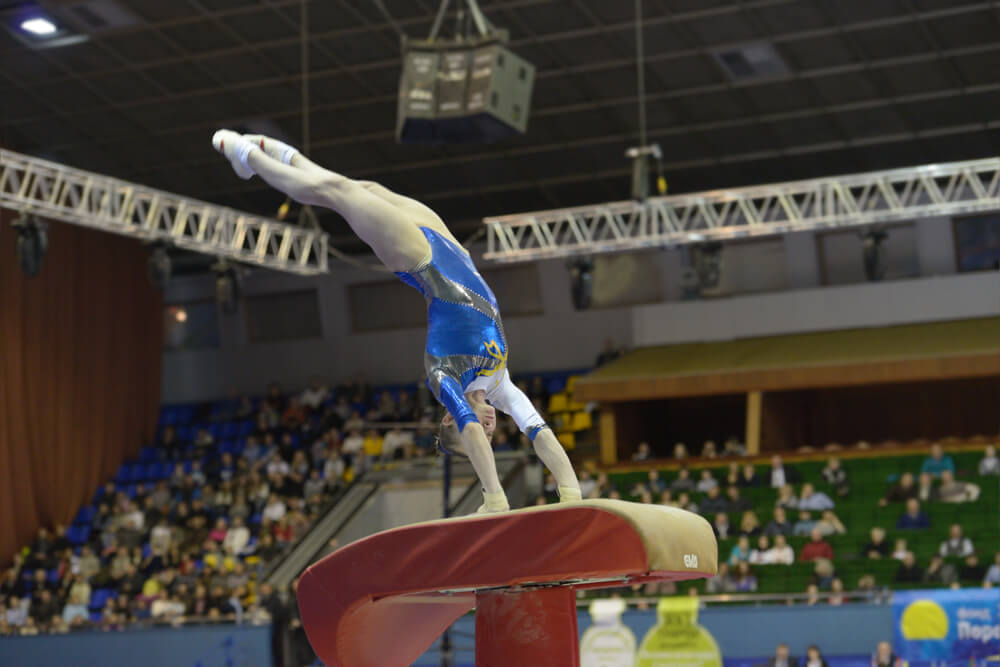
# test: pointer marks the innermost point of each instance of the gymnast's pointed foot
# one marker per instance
(493, 502)
(236, 149)
(568, 494)
(275, 149)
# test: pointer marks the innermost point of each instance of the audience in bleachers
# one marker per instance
(188, 530)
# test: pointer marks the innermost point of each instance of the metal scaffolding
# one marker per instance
(836, 202)
(80, 197)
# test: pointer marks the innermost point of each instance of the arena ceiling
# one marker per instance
(855, 85)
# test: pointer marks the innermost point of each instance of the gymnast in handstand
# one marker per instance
(466, 353)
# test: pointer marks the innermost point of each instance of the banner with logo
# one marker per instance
(677, 640)
(946, 624)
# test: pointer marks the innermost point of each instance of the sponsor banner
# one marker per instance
(946, 625)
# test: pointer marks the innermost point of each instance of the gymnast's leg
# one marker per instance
(508, 398)
(390, 231)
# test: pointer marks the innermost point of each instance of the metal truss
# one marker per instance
(79, 197)
(836, 202)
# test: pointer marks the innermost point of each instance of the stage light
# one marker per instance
(581, 273)
(874, 254)
(227, 287)
(32, 243)
(39, 26)
(159, 267)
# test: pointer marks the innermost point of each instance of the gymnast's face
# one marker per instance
(485, 412)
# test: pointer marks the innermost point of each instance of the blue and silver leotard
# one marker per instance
(465, 338)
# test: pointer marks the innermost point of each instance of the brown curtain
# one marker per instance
(80, 356)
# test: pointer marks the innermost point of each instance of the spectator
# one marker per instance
(937, 462)
(315, 394)
(396, 442)
(884, 657)
(813, 658)
(835, 475)
(654, 484)
(812, 593)
(761, 554)
(721, 582)
(786, 498)
(749, 524)
(914, 518)
(741, 551)
(940, 572)
(713, 503)
(721, 526)
(990, 464)
(829, 524)
(900, 492)
(683, 483)
(275, 508)
(780, 553)
(779, 525)
(900, 550)
(642, 452)
(782, 658)
(707, 482)
(203, 439)
(748, 476)
(744, 581)
(708, 450)
(957, 545)
(237, 537)
(954, 491)
(681, 451)
(813, 500)
(781, 475)
(925, 488)
(972, 570)
(733, 447)
(993, 574)
(816, 548)
(804, 525)
(735, 501)
(837, 596)
(876, 547)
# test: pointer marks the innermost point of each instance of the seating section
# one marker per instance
(870, 477)
(189, 526)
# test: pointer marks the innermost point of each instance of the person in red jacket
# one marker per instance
(816, 548)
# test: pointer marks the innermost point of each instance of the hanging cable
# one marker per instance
(640, 61)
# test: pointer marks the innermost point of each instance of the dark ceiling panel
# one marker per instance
(867, 88)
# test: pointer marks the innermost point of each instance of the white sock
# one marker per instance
(236, 149)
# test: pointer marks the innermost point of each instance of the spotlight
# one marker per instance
(39, 26)
(874, 254)
(581, 274)
(708, 265)
(227, 287)
(32, 243)
(158, 266)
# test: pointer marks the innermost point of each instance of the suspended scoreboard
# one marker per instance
(461, 93)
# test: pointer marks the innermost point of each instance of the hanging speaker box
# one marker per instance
(463, 94)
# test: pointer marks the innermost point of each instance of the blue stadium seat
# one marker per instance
(100, 597)
(229, 429)
(85, 515)
(255, 519)
(147, 549)
(164, 470)
(123, 474)
(78, 534)
(52, 576)
(96, 616)
(149, 454)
